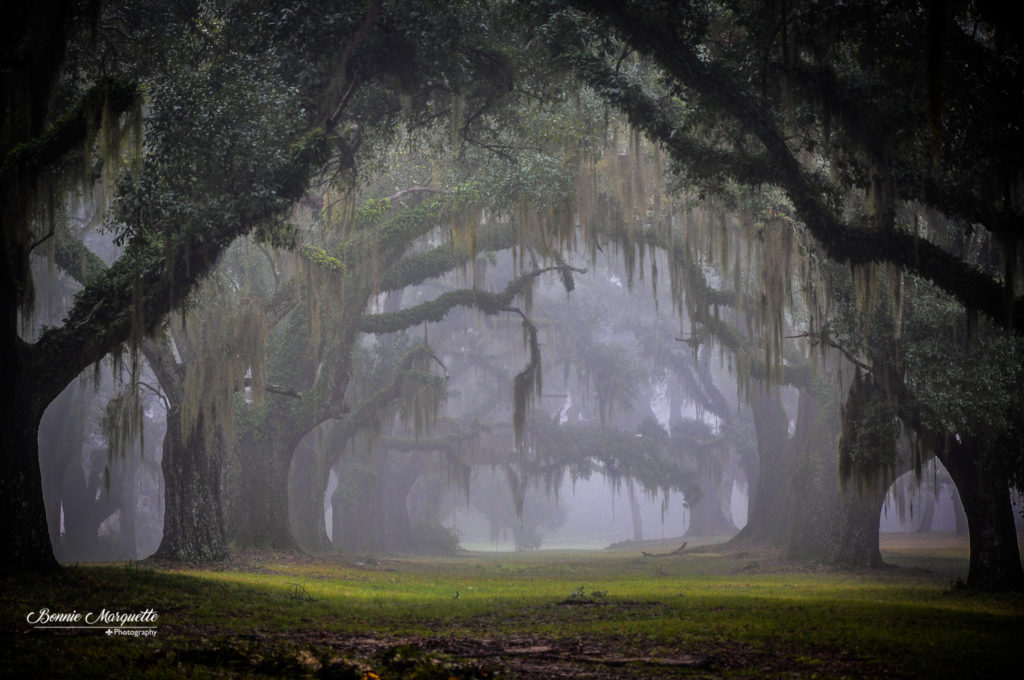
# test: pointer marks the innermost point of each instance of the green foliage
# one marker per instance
(867, 441)
(321, 259)
(580, 594)
(218, 151)
(372, 212)
(646, 455)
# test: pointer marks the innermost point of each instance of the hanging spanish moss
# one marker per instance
(227, 347)
(867, 438)
(122, 423)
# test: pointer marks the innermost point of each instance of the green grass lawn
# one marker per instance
(545, 614)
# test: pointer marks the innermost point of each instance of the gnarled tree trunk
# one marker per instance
(831, 523)
(712, 514)
(193, 520)
(259, 512)
(995, 555)
(23, 530)
(307, 484)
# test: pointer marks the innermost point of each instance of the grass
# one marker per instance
(546, 614)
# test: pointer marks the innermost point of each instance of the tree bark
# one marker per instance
(769, 493)
(809, 521)
(356, 505)
(854, 539)
(830, 523)
(307, 484)
(259, 515)
(191, 465)
(995, 563)
(634, 512)
(995, 556)
(712, 514)
(23, 530)
(959, 514)
(398, 473)
(24, 534)
(193, 520)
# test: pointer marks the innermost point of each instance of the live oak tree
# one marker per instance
(834, 102)
(240, 115)
(854, 115)
(168, 246)
(892, 136)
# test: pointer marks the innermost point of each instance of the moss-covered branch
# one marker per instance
(435, 310)
(153, 276)
(663, 119)
(451, 443)
(408, 372)
(75, 258)
(109, 96)
(775, 163)
(419, 267)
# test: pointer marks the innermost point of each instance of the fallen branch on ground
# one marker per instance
(677, 551)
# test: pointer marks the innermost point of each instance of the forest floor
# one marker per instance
(723, 613)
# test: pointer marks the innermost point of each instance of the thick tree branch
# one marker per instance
(75, 258)
(824, 339)
(416, 268)
(416, 190)
(436, 310)
(372, 407)
(71, 129)
(136, 292)
(848, 243)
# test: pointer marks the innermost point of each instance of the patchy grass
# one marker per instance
(597, 614)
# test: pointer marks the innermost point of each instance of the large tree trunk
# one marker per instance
(854, 538)
(25, 389)
(193, 512)
(712, 514)
(357, 512)
(193, 519)
(24, 533)
(995, 556)
(959, 515)
(398, 473)
(815, 481)
(307, 487)
(830, 523)
(259, 514)
(766, 520)
(634, 512)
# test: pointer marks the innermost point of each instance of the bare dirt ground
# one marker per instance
(536, 658)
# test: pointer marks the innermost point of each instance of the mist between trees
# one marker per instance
(324, 276)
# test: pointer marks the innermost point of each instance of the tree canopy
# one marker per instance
(838, 182)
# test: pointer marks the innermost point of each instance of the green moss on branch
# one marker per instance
(113, 95)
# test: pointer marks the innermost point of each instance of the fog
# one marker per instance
(466, 330)
(612, 328)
